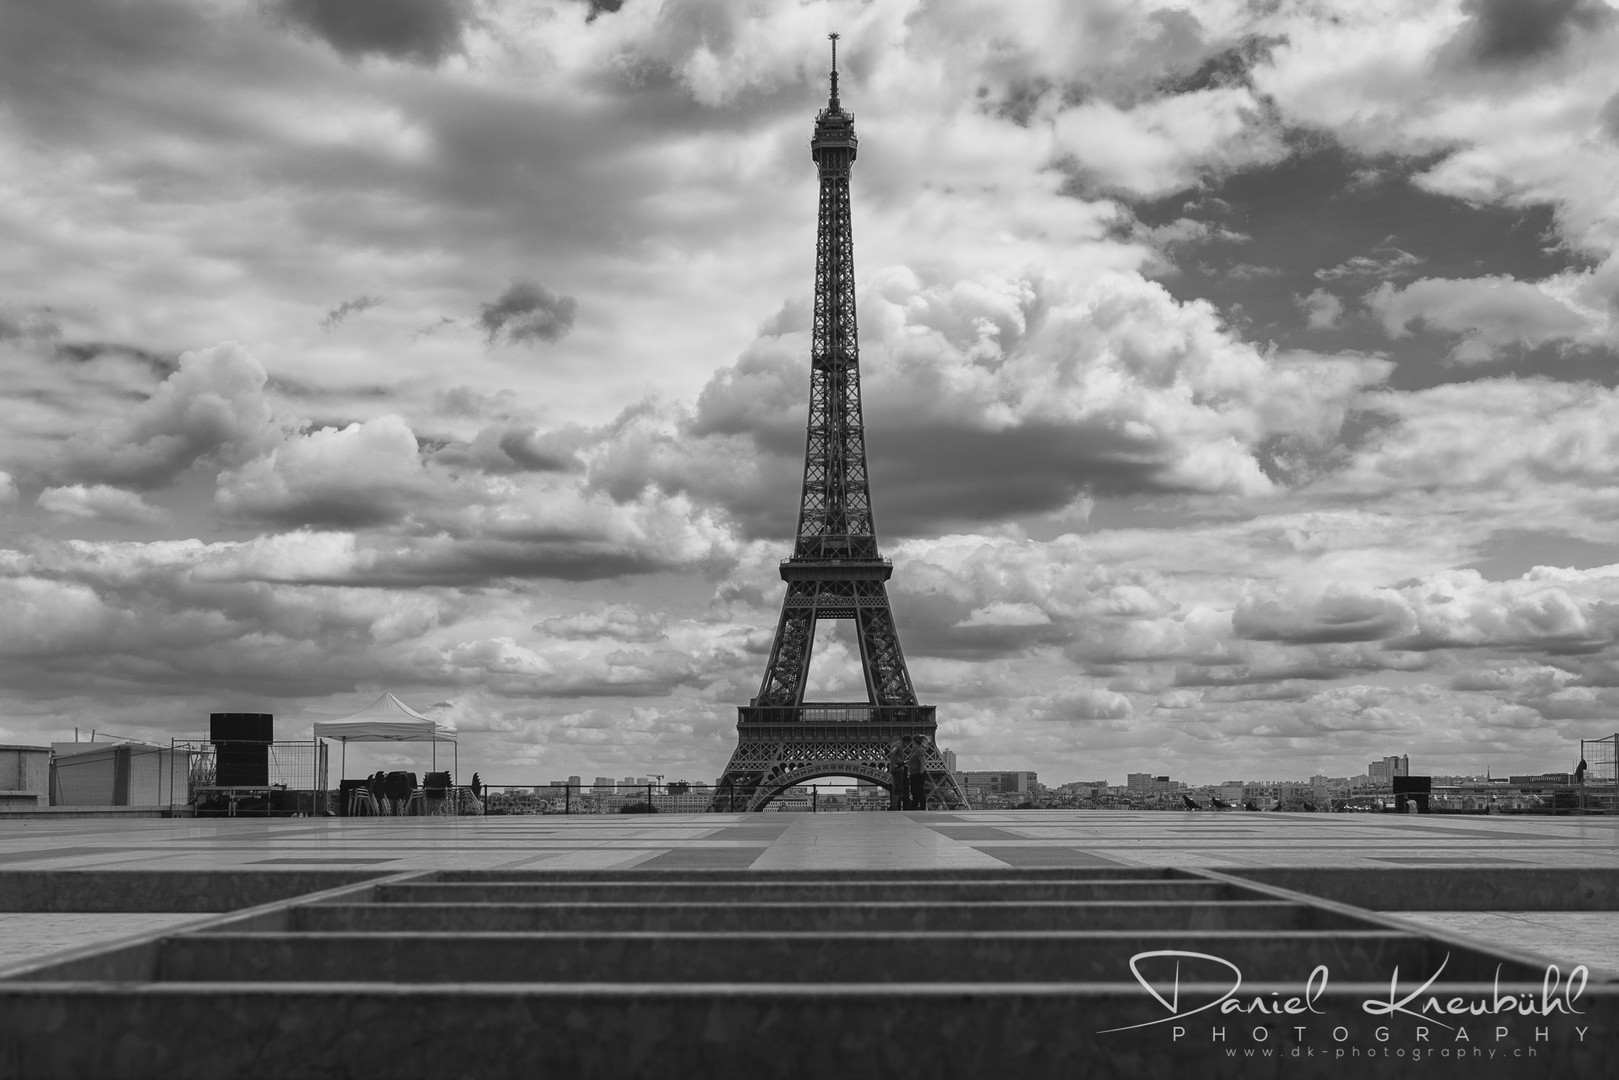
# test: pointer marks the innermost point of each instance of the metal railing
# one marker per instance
(812, 797)
(838, 712)
(566, 799)
(294, 781)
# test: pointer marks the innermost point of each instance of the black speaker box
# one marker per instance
(1413, 785)
(244, 727)
(242, 764)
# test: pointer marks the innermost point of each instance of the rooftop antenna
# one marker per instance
(834, 38)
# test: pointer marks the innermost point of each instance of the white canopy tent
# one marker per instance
(387, 719)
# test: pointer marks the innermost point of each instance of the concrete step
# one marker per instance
(180, 1031)
(693, 892)
(819, 917)
(891, 877)
(1021, 957)
(681, 973)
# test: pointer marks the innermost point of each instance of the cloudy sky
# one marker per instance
(1240, 376)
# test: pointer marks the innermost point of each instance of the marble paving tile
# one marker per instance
(1567, 938)
(26, 935)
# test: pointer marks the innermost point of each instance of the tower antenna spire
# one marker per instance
(834, 38)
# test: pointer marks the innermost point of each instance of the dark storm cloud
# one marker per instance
(1513, 31)
(48, 50)
(1252, 675)
(1228, 67)
(517, 448)
(926, 475)
(527, 554)
(527, 311)
(494, 168)
(930, 623)
(82, 352)
(39, 328)
(931, 469)
(927, 472)
(1328, 215)
(539, 451)
(348, 308)
(424, 31)
(601, 7)
(1610, 118)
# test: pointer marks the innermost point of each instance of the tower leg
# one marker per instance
(790, 653)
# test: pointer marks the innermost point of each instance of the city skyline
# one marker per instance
(1240, 379)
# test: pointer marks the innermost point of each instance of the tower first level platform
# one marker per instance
(781, 747)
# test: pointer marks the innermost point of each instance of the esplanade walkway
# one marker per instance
(1049, 943)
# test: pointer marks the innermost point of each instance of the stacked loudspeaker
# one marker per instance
(1417, 789)
(242, 748)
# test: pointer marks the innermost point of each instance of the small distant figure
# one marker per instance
(1186, 801)
(897, 753)
(916, 774)
(1579, 772)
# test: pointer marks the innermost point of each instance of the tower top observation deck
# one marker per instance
(834, 144)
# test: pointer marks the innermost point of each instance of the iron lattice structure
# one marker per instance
(836, 570)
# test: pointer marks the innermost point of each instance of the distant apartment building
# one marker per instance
(1323, 789)
(573, 782)
(1384, 772)
(687, 802)
(999, 783)
(950, 761)
(1140, 783)
(1085, 789)
(604, 785)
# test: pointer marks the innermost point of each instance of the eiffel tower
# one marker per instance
(835, 571)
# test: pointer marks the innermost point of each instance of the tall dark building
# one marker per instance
(836, 570)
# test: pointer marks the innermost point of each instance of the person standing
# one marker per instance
(897, 753)
(916, 769)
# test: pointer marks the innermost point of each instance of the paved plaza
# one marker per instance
(1377, 844)
(668, 944)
